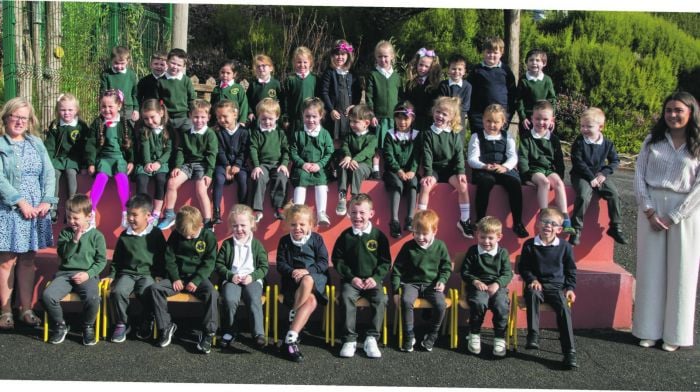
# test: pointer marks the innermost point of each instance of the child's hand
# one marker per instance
(353, 165)
(155, 166)
(191, 287)
(479, 285)
(129, 168)
(235, 170)
(148, 168)
(345, 162)
(257, 172)
(370, 283)
(77, 234)
(299, 273)
(439, 287)
(535, 285)
(283, 169)
(401, 174)
(246, 280)
(314, 167)
(374, 121)
(527, 124)
(410, 175)
(357, 283)
(80, 278)
(335, 115)
(493, 288)
(570, 296)
(462, 178)
(307, 167)
(91, 170)
(500, 169)
(428, 181)
(135, 116)
(600, 178)
(176, 172)
(251, 117)
(178, 286)
(236, 279)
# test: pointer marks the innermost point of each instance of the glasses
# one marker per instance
(18, 118)
(547, 222)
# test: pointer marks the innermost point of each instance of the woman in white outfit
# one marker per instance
(667, 186)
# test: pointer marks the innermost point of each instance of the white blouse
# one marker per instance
(474, 151)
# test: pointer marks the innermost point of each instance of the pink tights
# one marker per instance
(98, 188)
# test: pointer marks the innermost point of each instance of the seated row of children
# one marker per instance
(155, 151)
(361, 257)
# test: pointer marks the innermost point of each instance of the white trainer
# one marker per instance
(499, 347)
(646, 343)
(348, 350)
(474, 345)
(371, 348)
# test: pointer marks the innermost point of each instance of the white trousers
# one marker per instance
(667, 274)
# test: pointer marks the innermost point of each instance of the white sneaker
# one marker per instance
(499, 347)
(348, 350)
(323, 219)
(646, 343)
(669, 347)
(474, 345)
(371, 348)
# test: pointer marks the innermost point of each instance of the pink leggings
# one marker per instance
(98, 188)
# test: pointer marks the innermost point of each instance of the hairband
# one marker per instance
(407, 112)
(344, 46)
(117, 92)
(423, 52)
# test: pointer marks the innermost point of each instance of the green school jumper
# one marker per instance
(416, 265)
(154, 149)
(190, 260)
(269, 148)
(139, 254)
(65, 144)
(236, 93)
(443, 154)
(177, 95)
(362, 256)
(294, 92)
(198, 148)
(258, 91)
(531, 91)
(381, 96)
(88, 255)
(540, 156)
(305, 148)
(360, 147)
(126, 82)
(109, 158)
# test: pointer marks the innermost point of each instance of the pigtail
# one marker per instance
(126, 136)
(101, 133)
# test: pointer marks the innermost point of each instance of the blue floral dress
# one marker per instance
(19, 235)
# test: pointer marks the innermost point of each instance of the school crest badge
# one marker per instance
(200, 246)
(235, 90)
(74, 134)
(372, 245)
(272, 93)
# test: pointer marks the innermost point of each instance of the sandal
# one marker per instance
(30, 318)
(6, 321)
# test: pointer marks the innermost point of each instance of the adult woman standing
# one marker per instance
(26, 194)
(667, 186)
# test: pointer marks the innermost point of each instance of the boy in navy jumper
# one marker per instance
(590, 173)
(455, 85)
(147, 88)
(492, 82)
(548, 270)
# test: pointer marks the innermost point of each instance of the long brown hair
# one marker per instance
(124, 128)
(692, 130)
(145, 131)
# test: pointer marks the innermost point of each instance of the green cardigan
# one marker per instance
(382, 94)
(224, 260)
(191, 260)
(139, 255)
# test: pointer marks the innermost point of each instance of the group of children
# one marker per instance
(175, 137)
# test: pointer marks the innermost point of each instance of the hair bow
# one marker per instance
(345, 47)
(120, 95)
(423, 52)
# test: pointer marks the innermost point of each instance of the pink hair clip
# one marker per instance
(344, 46)
(423, 52)
(120, 94)
(407, 112)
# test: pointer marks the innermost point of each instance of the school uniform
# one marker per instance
(381, 97)
(154, 147)
(311, 254)
(554, 267)
(294, 91)
(177, 93)
(359, 147)
(110, 157)
(87, 255)
(363, 254)
(234, 147)
(269, 150)
(401, 152)
(308, 148)
(188, 260)
(65, 144)
(417, 270)
(124, 81)
(500, 149)
(491, 85)
(260, 89)
(540, 155)
(138, 257)
(421, 95)
(461, 90)
(532, 89)
(488, 267)
(339, 90)
(246, 258)
(197, 153)
(588, 158)
(443, 153)
(147, 88)
(232, 92)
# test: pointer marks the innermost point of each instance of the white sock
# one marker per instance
(375, 168)
(321, 198)
(291, 337)
(422, 207)
(299, 195)
(464, 212)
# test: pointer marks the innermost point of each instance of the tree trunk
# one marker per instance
(52, 71)
(512, 35)
(180, 22)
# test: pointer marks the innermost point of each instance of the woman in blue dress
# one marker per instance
(27, 187)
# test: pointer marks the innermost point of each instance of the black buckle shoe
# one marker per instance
(617, 235)
(395, 228)
(533, 342)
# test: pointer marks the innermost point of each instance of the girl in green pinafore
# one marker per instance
(154, 137)
(108, 151)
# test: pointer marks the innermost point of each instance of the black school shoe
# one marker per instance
(291, 351)
(575, 238)
(408, 225)
(395, 229)
(58, 334)
(520, 231)
(617, 235)
(569, 361)
(205, 342)
(89, 338)
(533, 342)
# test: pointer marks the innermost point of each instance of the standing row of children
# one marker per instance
(172, 148)
(361, 257)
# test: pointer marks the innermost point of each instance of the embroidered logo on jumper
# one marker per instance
(74, 134)
(200, 246)
(372, 245)
(272, 93)
(235, 90)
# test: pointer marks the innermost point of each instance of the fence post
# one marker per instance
(114, 10)
(9, 64)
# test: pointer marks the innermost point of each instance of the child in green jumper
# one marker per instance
(362, 258)
(230, 90)
(138, 257)
(82, 251)
(534, 86)
(195, 159)
(298, 87)
(422, 269)
(176, 90)
(263, 85)
(120, 77)
(357, 150)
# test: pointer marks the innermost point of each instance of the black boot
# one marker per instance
(216, 219)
